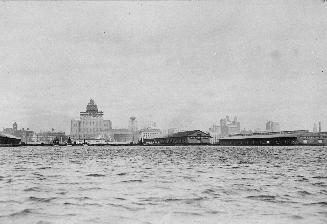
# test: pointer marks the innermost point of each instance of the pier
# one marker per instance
(269, 140)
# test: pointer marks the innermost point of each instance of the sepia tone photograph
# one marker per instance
(163, 112)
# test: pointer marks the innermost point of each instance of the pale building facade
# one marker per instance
(91, 124)
(229, 127)
(149, 133)
(272, 126)
(215, 133)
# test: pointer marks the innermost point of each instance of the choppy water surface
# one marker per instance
(163, 185)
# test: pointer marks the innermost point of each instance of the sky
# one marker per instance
(183, 64)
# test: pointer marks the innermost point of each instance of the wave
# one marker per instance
(125, 207)
(263, 197)
(44, 168)
(296, 217)
(323, 203)
(304, 193)
(33, 189)
(131, 181)
(41, 199)
(320, 177)
(95, 175)
(188, 213)
(121, 174)
(186, 200)
(21, 213)
(43, 222)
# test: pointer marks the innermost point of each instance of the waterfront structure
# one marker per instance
(296, 137)
(47, 137)
(123, 135)
(194, 137)
(260, 139)
(26, 135)
(215, 133)
(148, 135)
(304, 137)
(229, 127)
(91, 124)
(272, 126)
(310, 138)
(9, 140)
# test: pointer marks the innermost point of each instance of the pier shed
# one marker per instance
(194, 137)
(269, 139)
(9, 140)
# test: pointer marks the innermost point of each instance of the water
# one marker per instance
(204, 184)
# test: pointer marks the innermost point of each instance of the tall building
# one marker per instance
(272, 126)
(91, 124)
(229, 127)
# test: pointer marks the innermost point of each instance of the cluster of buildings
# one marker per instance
(28, 136)
(229, 132)
(226, 128)
(92, 128)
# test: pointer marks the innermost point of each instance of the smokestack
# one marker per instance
(319, 126)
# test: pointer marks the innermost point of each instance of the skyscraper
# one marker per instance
(229, 127)
(91, 124)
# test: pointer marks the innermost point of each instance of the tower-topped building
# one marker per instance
(229, 127)
(91, 124)
(91, 110)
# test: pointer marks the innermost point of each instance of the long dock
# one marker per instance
(272, 140)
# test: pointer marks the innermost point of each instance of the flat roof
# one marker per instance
(8, 135)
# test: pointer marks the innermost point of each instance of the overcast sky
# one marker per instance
(182, 64)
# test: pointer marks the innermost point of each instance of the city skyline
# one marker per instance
(166, 61)
(153, 124)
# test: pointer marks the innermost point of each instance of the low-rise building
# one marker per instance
(25, 135)
(9, 140)
(272, 126)
(311, 138)
(148, 135)
(124, 135)
(48, 137)
(195, 137)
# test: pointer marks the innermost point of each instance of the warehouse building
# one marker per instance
(195, 137)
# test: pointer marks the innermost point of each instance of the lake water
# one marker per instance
(205, 184)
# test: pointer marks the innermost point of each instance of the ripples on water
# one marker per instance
(156, 185)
